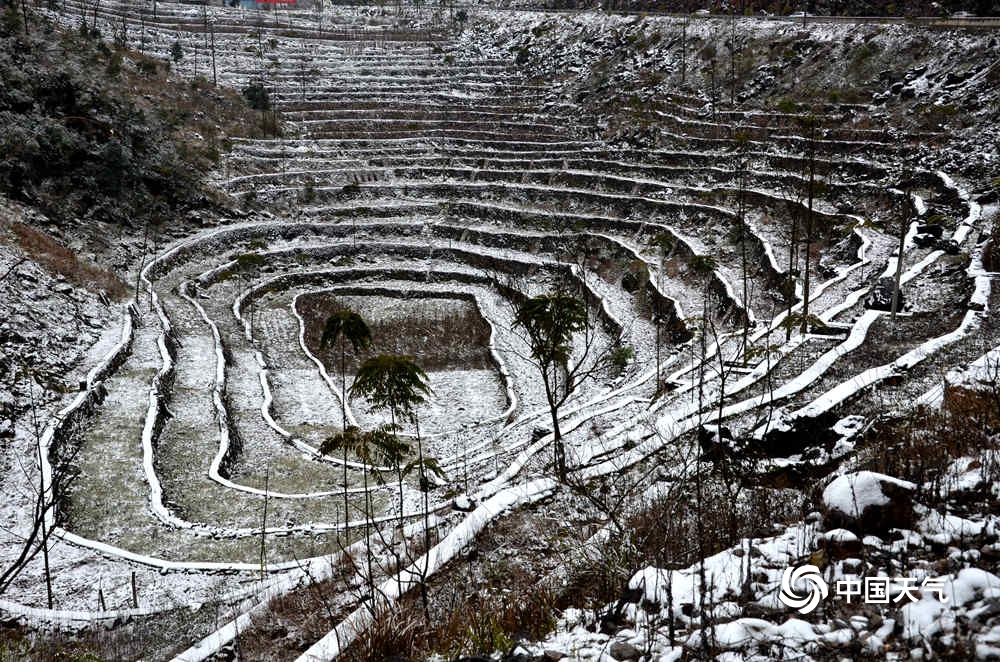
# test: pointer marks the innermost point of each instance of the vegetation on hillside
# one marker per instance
(91, 131)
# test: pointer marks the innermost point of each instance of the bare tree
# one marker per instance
(549, 323)
(810, 124)
(35, 540)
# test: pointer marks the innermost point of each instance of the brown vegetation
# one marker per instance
(441, 334)
(60, 260)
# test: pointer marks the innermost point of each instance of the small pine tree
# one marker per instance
(176, 51)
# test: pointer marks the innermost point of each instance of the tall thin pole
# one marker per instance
(43, 498)
(263, 525)
(903, 227)
(211, 27)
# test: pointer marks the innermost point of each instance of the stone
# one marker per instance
(954, 78)
(623, 651)
(949, 246)
(866, 502)
(840, 544)
(937, 231)
(553, 656)
(880, 295)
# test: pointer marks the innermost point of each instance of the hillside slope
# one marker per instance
(732, 204)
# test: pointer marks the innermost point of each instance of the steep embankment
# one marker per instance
(104, 153)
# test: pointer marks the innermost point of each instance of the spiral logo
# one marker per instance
(818, 588)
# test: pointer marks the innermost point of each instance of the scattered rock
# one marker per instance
(840, 544)
(868, 503)
(880, 295)
(539, 432)
(932, 229)
(623, 651)
(949, 246)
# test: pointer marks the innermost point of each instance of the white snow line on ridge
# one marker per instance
(62, 416)
(240, 300)
(341, 397)
(843, 391)
(222, 419)
(669, 425)
(313, 569)
(265, 409)
(501, 364)
(156, 491)
(970, 322)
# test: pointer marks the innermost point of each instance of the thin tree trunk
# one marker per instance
(792, 264)
(699, 496)
(903, 228)
(656, 322)
(42, 495)
(427, 526)
(343, 420)
(368, 508)
(399, 475)
(559, 456)
(215, 77)
(809, 228)
(263, 526)
(741, 206)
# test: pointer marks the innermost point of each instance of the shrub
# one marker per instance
(787, 106)
(620, 356)
(147, 66)
(257, 96)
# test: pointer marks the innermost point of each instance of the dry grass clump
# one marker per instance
(459, 625)
(148, 638)
(58, 259)
(922, 446)
(440, 333)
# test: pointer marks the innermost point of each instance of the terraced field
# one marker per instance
(430, 188)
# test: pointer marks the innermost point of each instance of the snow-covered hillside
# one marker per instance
(734, 202)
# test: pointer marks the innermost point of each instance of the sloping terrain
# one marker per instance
(728, 199)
